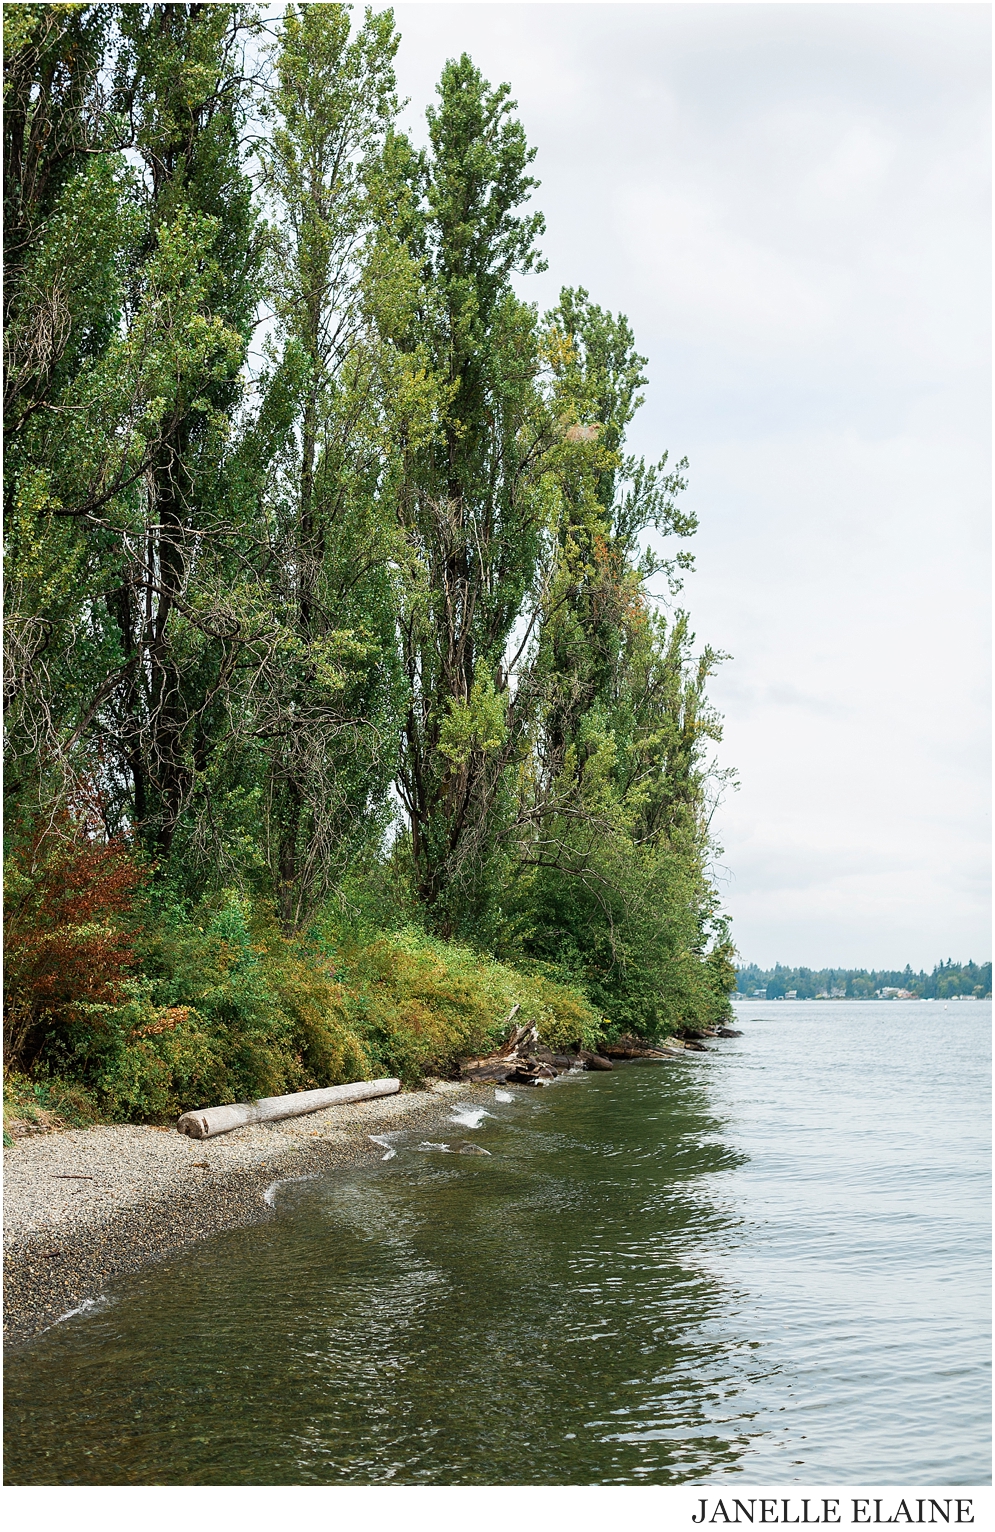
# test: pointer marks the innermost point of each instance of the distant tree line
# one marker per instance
(946, 980)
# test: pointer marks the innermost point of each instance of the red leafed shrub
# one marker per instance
(67, 897)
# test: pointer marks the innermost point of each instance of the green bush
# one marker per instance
(423, 1004)
(221, 1007)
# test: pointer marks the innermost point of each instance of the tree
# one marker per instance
(179, 84)
(470, 507)
(67, 220)
(405, 548)
(128, 552)
(329, 726)
(612, 819)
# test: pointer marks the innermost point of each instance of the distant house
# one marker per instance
(760, 994)
(791, 994)
(838, 994)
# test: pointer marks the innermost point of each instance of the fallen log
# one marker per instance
(621, 1051)
(560, 1061)
(208, 1121)
(531, 1071)
(490, 1074)
(519, 1043)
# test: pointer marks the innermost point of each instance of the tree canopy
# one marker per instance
(329, 578)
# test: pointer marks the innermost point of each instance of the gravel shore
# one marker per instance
(87, 1205)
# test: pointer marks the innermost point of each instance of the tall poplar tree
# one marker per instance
(331, 722)
(126, 541)
(612, 830)
(471, 507)
(179, 84)
(67, 223)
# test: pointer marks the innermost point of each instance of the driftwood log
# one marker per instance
(504, 1062)
(628, 1047)
(561, 1061)
(205, 1122)
(521, 1061)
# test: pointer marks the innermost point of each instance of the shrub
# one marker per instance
(210, 1003)
(67, 942)
(40, 1105)
(423, 1004)
(256, 1016)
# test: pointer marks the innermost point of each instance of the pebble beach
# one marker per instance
(83, 1207)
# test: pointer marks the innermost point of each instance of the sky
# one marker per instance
(791, 203)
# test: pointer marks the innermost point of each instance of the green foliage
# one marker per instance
(423, 1004)
(613, 819)
(222, 1007)
(470, 503)
(40, 1104)
(252, 600)
(332, 697)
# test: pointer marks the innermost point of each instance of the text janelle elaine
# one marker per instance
(827, 1512)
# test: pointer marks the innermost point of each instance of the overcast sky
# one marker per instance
(791, 203)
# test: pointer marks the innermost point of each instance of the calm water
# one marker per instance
(771, 1262)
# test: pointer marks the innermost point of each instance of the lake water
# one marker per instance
(771, 1262)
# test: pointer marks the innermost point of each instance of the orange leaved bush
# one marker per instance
(67, 898)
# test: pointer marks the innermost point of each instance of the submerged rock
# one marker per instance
(474, 1149)
(728, 1032)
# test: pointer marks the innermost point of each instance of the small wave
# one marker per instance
(503, 1095)
(88, 1306)
(384, 1143)
(271, 1190)
(469, 1116)
(426, 1146)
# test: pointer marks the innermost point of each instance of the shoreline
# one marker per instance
(85, 1206)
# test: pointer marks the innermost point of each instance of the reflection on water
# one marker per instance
(663, 1274)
